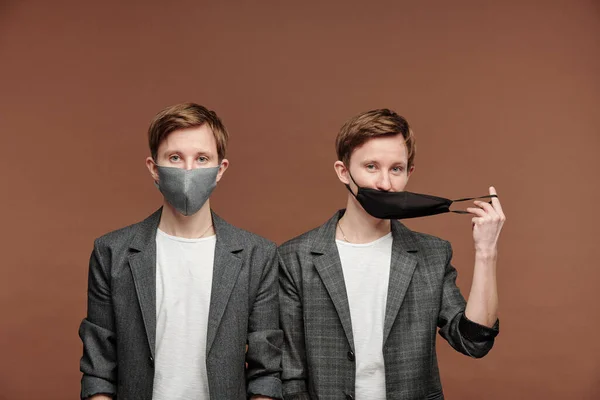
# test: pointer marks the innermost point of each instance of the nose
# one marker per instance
(384, 183)
(189, 164)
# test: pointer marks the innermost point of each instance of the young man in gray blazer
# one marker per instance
(174, 300)
(361, 297)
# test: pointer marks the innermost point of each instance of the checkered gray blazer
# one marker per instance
(318, 349)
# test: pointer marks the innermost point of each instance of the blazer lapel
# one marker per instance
(328, 265)
(402, 267)
(142, 262)
(227, 266)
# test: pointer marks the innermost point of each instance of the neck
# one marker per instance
(360, 227)
(191, 227)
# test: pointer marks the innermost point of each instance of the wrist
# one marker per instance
(486, 254)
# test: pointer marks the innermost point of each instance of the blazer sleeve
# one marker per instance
(99, 361)
(264, 335)
(463, 335)
(295, 371)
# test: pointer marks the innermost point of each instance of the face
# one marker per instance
(188, 149)
(380, 163)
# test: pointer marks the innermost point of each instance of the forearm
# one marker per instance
(264, 336)
(295, 372)
(97, 332)
(482, 306)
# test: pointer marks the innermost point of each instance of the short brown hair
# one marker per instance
(183, 116)
(375, 123)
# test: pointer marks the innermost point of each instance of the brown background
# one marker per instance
(502, 93)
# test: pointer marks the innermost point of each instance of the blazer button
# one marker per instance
(351, 356)
(151, 360)
(349, 397)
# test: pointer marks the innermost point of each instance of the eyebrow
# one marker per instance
(199, 153)
(377, 162)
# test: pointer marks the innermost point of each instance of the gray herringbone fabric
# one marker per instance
(119, 331)
(318, 350)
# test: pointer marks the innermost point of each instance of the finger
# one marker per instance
(487, 207)
(476, 211)
(496, 202)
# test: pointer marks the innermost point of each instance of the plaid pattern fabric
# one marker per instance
(318, 350)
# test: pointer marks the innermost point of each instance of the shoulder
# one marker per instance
(119, 236)
(422, 242)
(137, 234)
(246, 237)
(300, 243)
(430, 241)
(235, 236)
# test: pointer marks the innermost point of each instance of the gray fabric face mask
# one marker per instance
(187, 190)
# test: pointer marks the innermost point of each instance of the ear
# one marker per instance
(411, 170)
(222, 168)
(342, 172)
(152, 168)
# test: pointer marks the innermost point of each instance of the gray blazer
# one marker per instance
(119, 331)
(318, 348)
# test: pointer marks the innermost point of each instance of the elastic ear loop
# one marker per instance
(348, 186)
(471, 198)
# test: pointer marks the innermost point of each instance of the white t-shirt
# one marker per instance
(184, 270)
(366, 275)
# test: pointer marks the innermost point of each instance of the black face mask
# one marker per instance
(402, 205)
